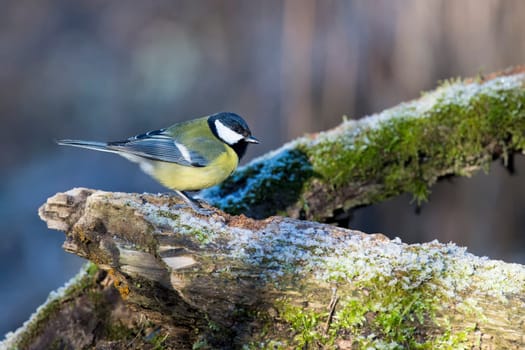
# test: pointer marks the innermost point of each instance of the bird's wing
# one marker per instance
(158, 145)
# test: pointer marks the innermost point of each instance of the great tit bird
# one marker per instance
(186, 156)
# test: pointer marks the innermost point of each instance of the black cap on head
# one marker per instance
(232, 130)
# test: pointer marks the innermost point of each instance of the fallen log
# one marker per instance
(231, 281)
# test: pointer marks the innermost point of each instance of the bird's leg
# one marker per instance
(193, 203)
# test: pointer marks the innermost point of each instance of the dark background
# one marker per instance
(107, 70)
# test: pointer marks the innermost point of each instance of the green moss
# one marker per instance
(452, 130)
(375, 317)
(409, 150)
(401, 310)
(118, 331)
(305, 324)
(168, 214)
(158, 341)
(85, 283)
(201, 235)
(392, 314)
(91, 269)
(38, 322)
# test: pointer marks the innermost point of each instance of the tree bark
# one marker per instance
(231, 281)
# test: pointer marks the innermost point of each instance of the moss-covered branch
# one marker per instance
(454, 130)
(232, 282)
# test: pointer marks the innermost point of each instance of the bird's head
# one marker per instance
(230, 128)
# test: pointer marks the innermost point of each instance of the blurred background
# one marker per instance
(107, 70)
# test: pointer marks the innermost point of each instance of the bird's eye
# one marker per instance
(239, 129)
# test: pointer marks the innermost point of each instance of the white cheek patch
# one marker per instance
(226, 134)
(184, 151)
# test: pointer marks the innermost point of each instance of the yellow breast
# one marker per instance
(185, 178)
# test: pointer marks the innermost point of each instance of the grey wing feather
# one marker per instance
(155, 145)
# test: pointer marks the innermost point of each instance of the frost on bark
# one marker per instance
(454, 130)
(162, 277)
(230, 281)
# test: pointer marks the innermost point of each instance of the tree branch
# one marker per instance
(456, 129)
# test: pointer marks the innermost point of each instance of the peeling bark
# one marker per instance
(231, 281)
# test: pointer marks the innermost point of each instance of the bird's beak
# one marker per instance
(251, 139)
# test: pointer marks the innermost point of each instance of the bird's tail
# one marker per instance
(94, 145)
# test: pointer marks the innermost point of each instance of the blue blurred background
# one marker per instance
(107, 70)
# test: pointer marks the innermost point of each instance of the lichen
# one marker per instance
(202, 231)
(396, 296)
(390, 294)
